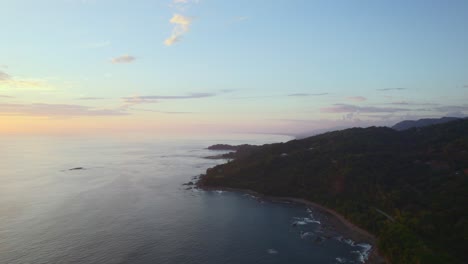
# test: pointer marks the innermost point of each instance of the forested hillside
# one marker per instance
(418, 177)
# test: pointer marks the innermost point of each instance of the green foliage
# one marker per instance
(417, 177)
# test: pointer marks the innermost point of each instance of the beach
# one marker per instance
(335, 224)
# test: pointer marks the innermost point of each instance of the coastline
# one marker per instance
(337, 221)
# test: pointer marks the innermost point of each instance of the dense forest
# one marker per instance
(409, 188)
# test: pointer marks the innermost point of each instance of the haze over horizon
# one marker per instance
(199, 66)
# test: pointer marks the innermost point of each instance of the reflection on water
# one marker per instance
(128, 205)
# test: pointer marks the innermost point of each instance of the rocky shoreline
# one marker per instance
(336, 223)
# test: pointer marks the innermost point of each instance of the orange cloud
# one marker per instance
(182, 26)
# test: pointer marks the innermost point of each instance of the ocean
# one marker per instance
(129, 205)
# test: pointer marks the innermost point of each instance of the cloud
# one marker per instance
(123, 59)
(130, 101)
(277, 96)
(91, 98)
(181, 26)
(356, 98)
(465, 86)
(162, 112)
(8, 81)
(346, 108)
(412, 103)
(25, 84)
(391, 89)
(227, 90)
(170, 97)
(400, 103)
(6, 96)
(55, 110)
(306, 94)
(4, 76)
(452, 108)
(134, 100)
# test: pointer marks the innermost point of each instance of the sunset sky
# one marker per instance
(197, 66)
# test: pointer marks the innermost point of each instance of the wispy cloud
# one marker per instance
(55, 110)
(400, 103)
(169, 97)
(227, 90)
(391, 89)
(278, 96)
(412, 103)
(347, 108)
(130, 101)
(4, 76)
(134, 100)
(452, 108)
(306, 94)
(6, 96)
(163, 112)
(409, 107)
(25, 84)
(123, 59)
(91, 98)
(7, 81)
(356, 98)
(181, 26)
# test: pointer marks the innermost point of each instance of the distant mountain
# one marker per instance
(409, 187)
(407, 124)
(318, 132)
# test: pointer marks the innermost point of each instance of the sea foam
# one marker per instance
(272, 251)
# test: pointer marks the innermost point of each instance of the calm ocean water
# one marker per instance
(129, 206)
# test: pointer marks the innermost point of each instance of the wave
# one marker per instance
(340, 260)
(272, 251)
(364, 253)
(306, 234)
(305, 221)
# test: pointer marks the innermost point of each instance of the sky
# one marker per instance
(244, 66)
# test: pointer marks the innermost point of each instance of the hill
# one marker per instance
(407, 124)
(409, 187)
